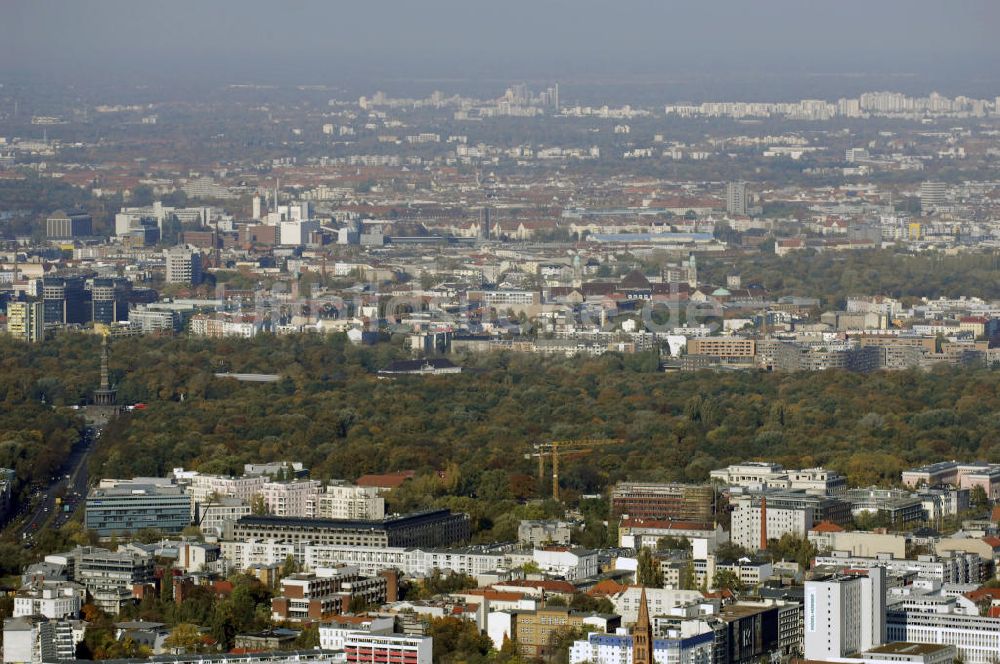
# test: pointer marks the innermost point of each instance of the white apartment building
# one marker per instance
(52, 599)
(31, 640)
(959, 567)
(370, 560)
(244, 555)
(617, 649)
(346, 501)
(659, 601)
(844, 615)
(976, 638)
(571, 564)
(760, 475)
(297, 233)
(183, 266)
(746, 524)
(750, 573)
(202, 488)
(472, 561)
(333, 634)
(363, 647)
(203, 325)
(291, 498)
(214, 515)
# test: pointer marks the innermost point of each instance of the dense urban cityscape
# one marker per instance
(584, 368)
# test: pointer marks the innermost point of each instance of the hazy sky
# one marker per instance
(335, 40)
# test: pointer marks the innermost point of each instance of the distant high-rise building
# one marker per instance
(484, 222)
(183, 266)
(65, 300)
(64, 225)
(932, 195)
(853, 155)
(736, 198)
(26, 321)
(845, 615)
(109, 300)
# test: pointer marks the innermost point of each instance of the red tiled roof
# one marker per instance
(549, 586)
(827, 527)
(606, 587)
(387, 480)
(995, 514)
(495, 595)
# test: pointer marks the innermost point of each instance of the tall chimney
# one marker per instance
(763, 523)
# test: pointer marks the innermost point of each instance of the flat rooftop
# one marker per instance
(906, 648)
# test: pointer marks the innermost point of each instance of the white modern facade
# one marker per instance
(659, 601)
(570, 564)
(332, 635)
(370, 560)
(290, 498)
(845, 615)
(617, 649)
(958, 567)
(747, 521)
(183, 266)
(52, 599)
(346, 501)
(976, 638)
(762, 475)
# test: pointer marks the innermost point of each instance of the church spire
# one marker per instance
(642, 634)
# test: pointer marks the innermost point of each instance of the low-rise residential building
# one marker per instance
(531, 630)
(660, 601)
(959, 567)
(828, 536)
(365, 648)
(109, 576)
(334, 631)
(539, 533)
(760, 476)
(570, 564)
(677, 648)
(53, 599)
(639, 533)
(313, 596)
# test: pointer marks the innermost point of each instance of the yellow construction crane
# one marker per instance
(555, 448)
